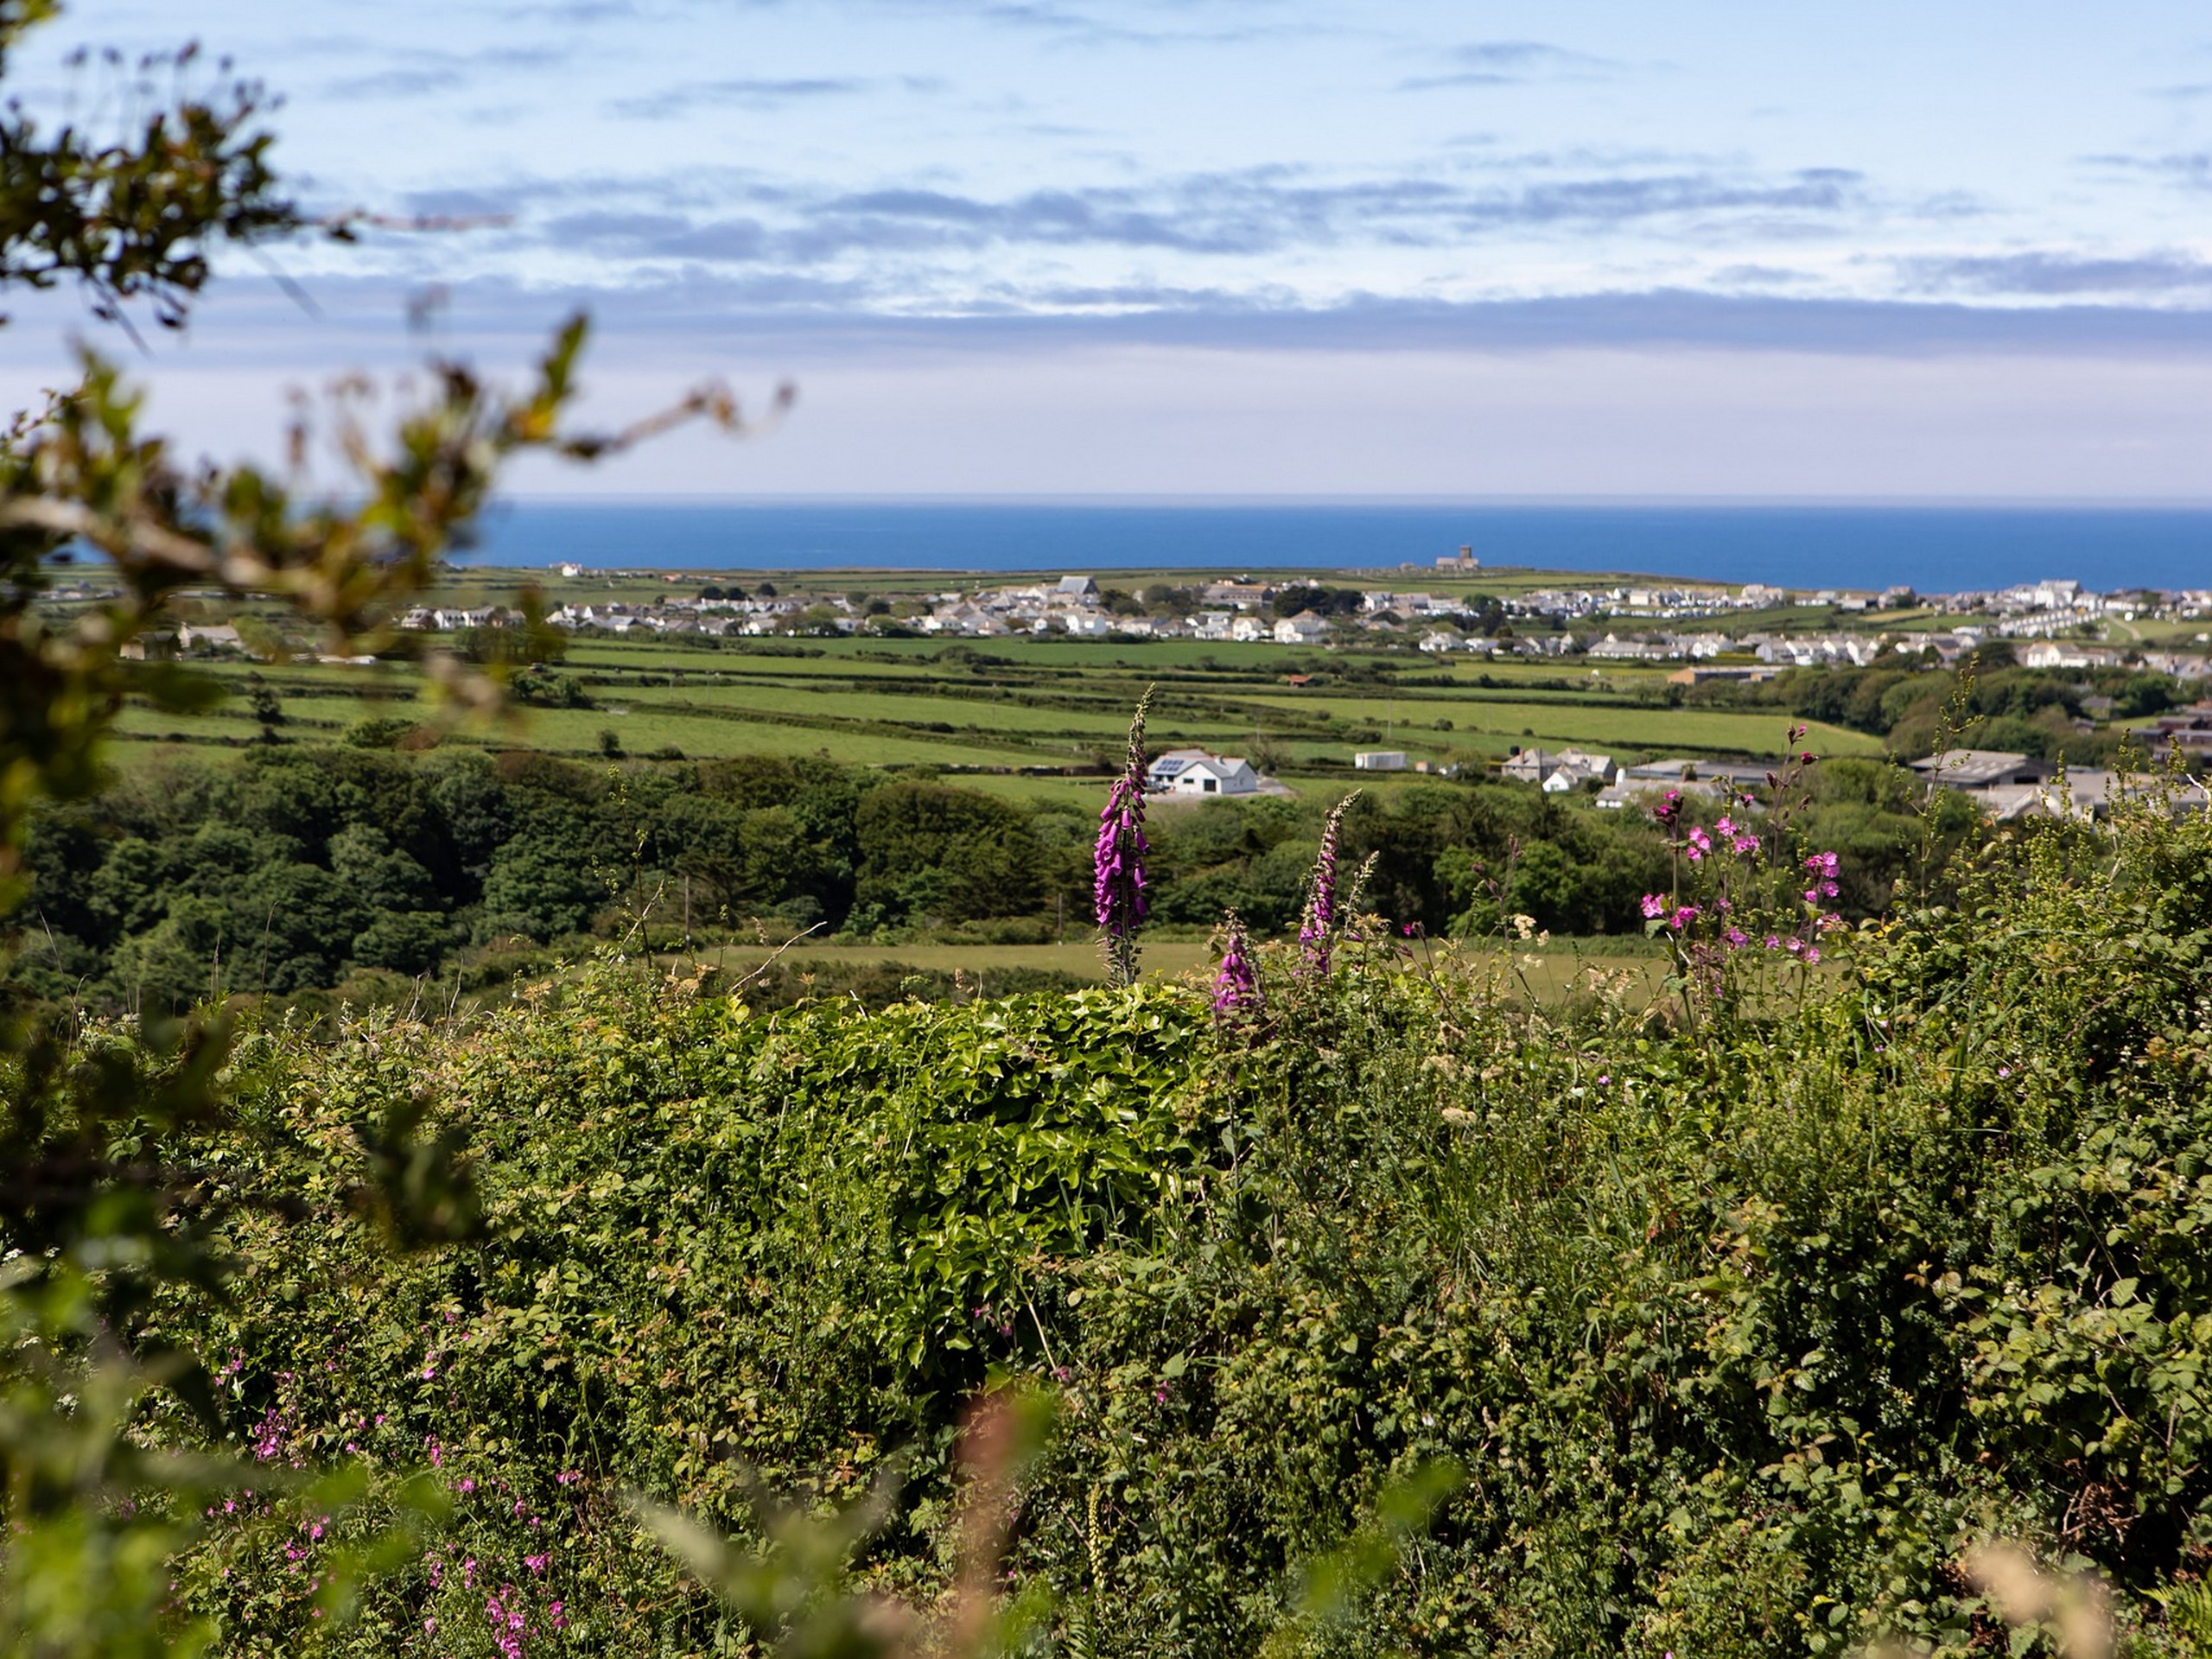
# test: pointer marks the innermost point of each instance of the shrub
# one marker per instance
(1742, 1337)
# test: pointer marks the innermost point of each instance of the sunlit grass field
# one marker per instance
(1553, 968)
(1027, 718)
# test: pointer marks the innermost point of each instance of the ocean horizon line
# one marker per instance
(1945, 548)
(1239, 500)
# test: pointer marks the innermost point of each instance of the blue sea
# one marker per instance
(1932, 549)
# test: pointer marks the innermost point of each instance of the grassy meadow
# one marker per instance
(1550, 970)
(1030, 717)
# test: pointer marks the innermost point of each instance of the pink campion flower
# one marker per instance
(1682, 918)
(1737, 938)
(1724, 825)
(1793, 946)
(1812, 953)
(1773, 943)
(1700, 842)
(1655, 906)
(1669, 808)
(1746, 843)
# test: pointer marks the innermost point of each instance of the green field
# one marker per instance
(1548, 971)
(1028, 718)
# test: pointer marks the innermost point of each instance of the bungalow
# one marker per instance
(1194, 772)
(2088, 795)
(1612, 648)
(1583, 765)
(969, 620)
(2050, 653)
(219, 637)
(1239, 595)
(1977, 769)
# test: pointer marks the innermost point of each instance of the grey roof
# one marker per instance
(1981, 768)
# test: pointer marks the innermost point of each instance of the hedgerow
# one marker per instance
(1743, 1328)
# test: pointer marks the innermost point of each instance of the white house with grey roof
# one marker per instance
(1194, 772)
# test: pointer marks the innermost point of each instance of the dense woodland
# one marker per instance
(293, 869)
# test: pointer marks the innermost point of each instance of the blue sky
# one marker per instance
(1258, 246)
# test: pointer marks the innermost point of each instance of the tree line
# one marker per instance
(300, 869)
(2046, 713)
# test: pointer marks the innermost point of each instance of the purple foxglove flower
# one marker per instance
(1117, 861)
(1237, 993)
(1319, 921)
